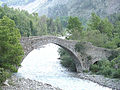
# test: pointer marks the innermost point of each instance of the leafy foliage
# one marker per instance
(74, 28)
(74, 24)
(114, 55)
(79, 47)
(95, 37)
(11, 51)
(116, 74)
(66, 60)
(32, 24)
(3, 75)
(107, 68)
(94, 22)
(102, 33)
(13, 24)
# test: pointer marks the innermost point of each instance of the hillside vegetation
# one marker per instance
(11, 51)
(32, 24)
(65, 8)
(14, 24)
(83, 8)
(101, 28)
(100, 32)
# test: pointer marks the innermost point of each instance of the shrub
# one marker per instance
(107, 68)
(116, 62)
(89, 57)
(114, 54)
(94, 68)
(79, 47)
(66, 60)
(110, 45)
(116, 74)
(3, 75)
(107, 71)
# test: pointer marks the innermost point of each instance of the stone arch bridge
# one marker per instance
(82, 60)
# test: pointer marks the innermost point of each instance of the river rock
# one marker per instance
(18, 83)
(101, 80)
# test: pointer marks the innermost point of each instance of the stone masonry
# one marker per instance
(82, 61)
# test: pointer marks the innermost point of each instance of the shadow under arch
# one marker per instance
(96, 62)
(73, 56)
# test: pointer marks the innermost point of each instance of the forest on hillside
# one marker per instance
(101, 32)
(15, 23)
(32, 24)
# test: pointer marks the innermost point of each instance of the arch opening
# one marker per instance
(96, 63)
(47, 55)
(35, 43)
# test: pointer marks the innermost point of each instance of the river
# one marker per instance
(43, 65)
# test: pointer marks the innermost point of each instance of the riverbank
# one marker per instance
(18, 83)
(101, 80)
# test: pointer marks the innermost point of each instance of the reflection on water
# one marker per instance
(42, 65)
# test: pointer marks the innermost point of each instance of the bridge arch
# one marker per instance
(30, 43)
(81, 60)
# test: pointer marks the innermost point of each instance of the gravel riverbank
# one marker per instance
(17, 83)
(101, 80)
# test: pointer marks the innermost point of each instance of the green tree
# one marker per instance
(105, 27)
(2, 13)
(11, 51)
(95, 37)
(93, 23)
(74, 28)
(116, 33)
(51, 26)
(58, 25)
(105, 35)
(42, 25)
(74, 24)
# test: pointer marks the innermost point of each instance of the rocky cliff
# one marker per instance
(84, 8)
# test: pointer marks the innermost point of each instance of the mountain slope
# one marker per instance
(16, 2)
(80, 8)
(84, 8)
